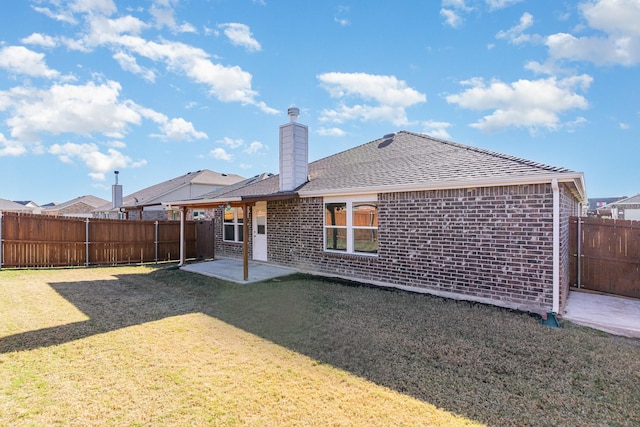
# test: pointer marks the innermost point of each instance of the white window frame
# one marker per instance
(237, 233)
(349, 202)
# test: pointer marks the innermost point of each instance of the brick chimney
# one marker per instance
(294, 152)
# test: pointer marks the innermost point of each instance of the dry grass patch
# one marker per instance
(146, 346)
(182, 369)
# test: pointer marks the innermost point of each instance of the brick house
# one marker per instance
(147, 203)
(628, 208)
(412, 212)
(80, 207)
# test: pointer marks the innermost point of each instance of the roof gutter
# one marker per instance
(575, 177)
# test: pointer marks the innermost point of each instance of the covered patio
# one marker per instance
(233, 270)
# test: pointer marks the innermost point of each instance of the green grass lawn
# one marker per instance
(147, 346)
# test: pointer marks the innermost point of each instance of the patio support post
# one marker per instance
(245, 242)
(0, 240)
(156, 240)
(182, 248)
(86, 242)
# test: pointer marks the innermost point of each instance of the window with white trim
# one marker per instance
(232, 225)
(351, 226)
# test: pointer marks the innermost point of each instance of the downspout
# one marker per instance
(556, 246)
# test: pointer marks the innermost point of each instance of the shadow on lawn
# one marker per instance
(487, 364)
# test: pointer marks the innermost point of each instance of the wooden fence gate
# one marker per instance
(606, 255)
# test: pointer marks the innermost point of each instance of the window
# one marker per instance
(233, 224)
(351, 226)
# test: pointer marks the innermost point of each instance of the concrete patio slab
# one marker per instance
(233, 270)
(615, 315)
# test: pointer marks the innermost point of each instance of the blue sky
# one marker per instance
(158, 88)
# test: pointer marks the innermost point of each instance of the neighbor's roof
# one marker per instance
(155, 193)
(8, 205)
(408, 161)
(633, 200)
(89, 200)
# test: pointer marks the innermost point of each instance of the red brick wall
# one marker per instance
(485, 244)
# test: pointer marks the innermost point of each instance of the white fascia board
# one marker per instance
(575, 177)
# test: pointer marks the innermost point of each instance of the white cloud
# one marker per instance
(457, 4)
(129, 63)
(178, 129)
(334, 131)
(99, 163)
(437, 129)
(10, 147)
(40, 40)
(620, 45)
(122, 35)
(531, 104)
(104, 7)
(515, 35)
(81, 109)
(221, 154)
(452, 18)
(62, 15)
(392, 95)
(20, 60)
(500, 4)
(240, 35)
(232, 143)
(343, 22)
(623, 126)
(254, 147)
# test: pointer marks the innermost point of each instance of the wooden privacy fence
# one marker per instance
(606, 255)
(28, 241)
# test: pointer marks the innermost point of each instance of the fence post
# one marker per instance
(156, 241)
(86, 240)
(1, 240)
(579, 260)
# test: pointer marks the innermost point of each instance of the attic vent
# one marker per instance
(224, 174)
(389, 135)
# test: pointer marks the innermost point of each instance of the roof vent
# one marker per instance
(293, 113)
(389, 135)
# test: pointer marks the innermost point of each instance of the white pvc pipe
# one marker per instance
(556, 246)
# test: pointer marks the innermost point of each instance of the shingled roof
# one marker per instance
(633, 200)
(88, 200)
(411, 161)
(155, 193)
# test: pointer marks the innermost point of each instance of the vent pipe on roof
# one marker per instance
(116, 193)
(294, 152)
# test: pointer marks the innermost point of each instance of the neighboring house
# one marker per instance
(412, 212)
(9, 206)
(628, 208)
(147, 203)
(80, 207)
(35, 208)
(600, 207)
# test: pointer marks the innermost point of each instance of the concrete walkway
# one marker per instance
(615, 315)
(233, 270)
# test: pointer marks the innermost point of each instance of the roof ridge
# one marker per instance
(520, 160)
